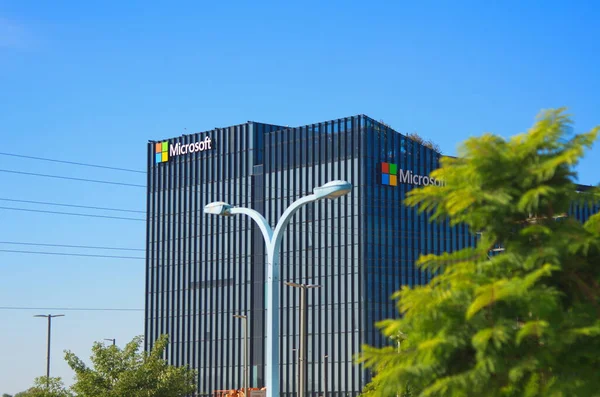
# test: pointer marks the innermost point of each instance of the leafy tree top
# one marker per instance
(523, 323)
(46, 387)
(130, 372)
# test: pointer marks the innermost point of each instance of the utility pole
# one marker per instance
(302, 362)
(113, 340)
(49, 317)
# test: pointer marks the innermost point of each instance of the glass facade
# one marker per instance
(321, 246)
(396, 235)
(202, 269)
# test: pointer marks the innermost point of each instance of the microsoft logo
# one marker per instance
(162, 152)
(389, 174)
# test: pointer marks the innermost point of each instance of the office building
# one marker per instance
(202, 270)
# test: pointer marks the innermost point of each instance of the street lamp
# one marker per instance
(273, 238)
(245, 321)
(49, 317)
(113, 340)
(302, 362)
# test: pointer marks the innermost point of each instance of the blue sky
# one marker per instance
(93, 81)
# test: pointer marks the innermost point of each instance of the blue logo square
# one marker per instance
(158, 157)
(385, 179)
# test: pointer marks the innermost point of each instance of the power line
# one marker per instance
(71, 178)
(71, 205)
(87, 309)
(69, 254)
(367, 262)
(72, 214)
(73, 163)
(71, 246)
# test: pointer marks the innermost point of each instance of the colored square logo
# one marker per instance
(388, 174)
(162, 152)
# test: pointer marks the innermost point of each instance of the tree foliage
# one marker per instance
(130, 372)
(525, 322)
(46, 387)
(372, 388)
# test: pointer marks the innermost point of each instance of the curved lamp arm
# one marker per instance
(286, 217)
(260, 220)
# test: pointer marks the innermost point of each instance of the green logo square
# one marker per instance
(393, 169)
(165, 146)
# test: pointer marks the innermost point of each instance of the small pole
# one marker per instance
(325, 375)
(295, 372)
(48, 356)
(302, 359)
(246, 355)
(49, 317)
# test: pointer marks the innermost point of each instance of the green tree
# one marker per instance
(130, 372)
(44, 387)
(525, 322)
(371, 388)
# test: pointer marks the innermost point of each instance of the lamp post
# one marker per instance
(294, 370)
(113, 340)
(302, 362)
(245, 321)
(325, 375)
(49, 317)
(273, 238)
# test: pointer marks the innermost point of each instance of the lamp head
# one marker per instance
(332, 190)
(218, 208)
(49, 315)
